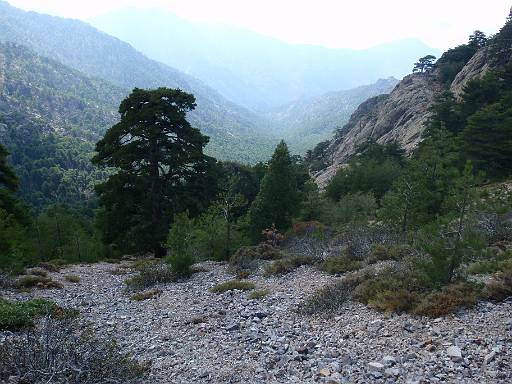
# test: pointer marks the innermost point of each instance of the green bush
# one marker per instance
(16, 315)
(351, 208)
(72, 278)
(283, 266)
(340, 264)
(179, 244)
(495, 264)
(448, 300)
(233, 284)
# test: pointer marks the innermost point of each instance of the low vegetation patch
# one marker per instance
(33, 281)
(499, 263)
(341, 264)
(49, 267)
(383, 252)
(330, 298)
(146, 295)
(283, 266)
(500, 288)
(37, 272)
(151, 275)
(233, 284)
(246, 259)
(63, 351)
(256, 295)
(447, 300)
(72, 278)
(20, 314)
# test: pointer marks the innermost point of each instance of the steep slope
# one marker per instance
(233, 60)
(402, 115)
(67, 101)
(50, 118)
(305, 123)
(234, 131)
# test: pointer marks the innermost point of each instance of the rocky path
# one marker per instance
(194, 336)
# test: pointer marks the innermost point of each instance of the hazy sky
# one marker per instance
(331, 23)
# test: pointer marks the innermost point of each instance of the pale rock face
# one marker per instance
(476, 68)
(399, 116)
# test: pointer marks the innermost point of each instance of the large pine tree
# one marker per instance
(161, 169)
(278, 199)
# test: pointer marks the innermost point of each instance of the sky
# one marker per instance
(331, 23)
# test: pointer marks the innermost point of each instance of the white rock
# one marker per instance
(375, 366)
(454, 353)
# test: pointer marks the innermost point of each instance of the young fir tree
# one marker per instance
(161, 169)
(278, 199)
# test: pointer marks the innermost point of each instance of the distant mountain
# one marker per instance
(235, 132)
(307, 122)
(253, 70)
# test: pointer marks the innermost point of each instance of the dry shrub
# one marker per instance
(140, 296)
(233, 284)
(500, 288)
(72, 278)
(151, 275)
(37, 272)
(448, 300)
(247, 258)
(283, 266)
(63, 351)
(256, 295)
(340, 264)
(330, 299)
(381, 252)
(398, 301)
(308, 227)
(31, 281)
(49, 267)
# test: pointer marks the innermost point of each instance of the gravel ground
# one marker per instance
(191, 335)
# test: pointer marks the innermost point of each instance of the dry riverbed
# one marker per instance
(191, 335)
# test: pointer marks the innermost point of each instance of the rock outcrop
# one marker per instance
(399, 116)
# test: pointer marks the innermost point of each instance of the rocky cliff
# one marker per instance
(399, 116)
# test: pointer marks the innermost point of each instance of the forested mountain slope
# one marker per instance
(50, 118)
(306, 122)
(235, 132)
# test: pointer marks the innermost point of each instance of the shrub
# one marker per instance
(30, 281)
(63, 351)
(256, 295)
(307, 227)
(150, 275)
(397, 301)
(140, 296)
(72, 278)
(233, 284)
(381, 252)
(498, 263)
(500, 288)
(179, 244)
(246, 258)
(340, 264)
(37, 272)
(141, 264)
(283, 266)
(352, 208)
(16, 315)
(448, 300)
(330, 298)
(49, 267)
(390, 280)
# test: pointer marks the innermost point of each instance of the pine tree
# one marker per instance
(161, 169)
(278, 199)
